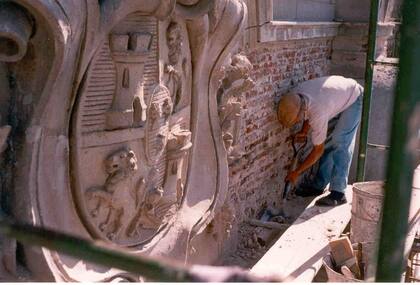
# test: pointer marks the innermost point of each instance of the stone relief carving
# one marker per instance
(179, 144)
(16, 31)
(157, 128)
(123, 103)
(129, 52)
(112, 204)
(106, 140)
(175, 68)
(236, 81)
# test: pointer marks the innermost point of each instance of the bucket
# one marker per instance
(366, 211)
(367, 206)
(366, 216)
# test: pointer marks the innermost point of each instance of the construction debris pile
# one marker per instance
(347, 262)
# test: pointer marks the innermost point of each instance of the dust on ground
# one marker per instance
(254, 241)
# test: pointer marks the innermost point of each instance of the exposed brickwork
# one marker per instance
(256, 180)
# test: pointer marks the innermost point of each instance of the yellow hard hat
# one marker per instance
(288, 109)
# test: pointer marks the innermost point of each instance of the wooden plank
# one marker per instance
(297, 255)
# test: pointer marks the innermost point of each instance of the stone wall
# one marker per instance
(256, 180)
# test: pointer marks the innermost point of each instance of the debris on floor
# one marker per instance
(258, 234)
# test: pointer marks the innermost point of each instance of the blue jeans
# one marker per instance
(334, 164)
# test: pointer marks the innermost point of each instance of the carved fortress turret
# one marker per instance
(129, 52)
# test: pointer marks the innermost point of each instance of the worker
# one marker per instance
(316, 102)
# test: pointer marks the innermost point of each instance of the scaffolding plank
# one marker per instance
(297, 255)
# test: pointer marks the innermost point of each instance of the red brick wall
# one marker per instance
(256, 180)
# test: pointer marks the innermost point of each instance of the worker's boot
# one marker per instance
(333, 199)
(307, 191)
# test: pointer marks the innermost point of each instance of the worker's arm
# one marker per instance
(310, 160)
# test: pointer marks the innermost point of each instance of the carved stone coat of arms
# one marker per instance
(131, 127)
(122, 116)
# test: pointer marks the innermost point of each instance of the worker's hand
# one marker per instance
(292, 177)
(300, 137)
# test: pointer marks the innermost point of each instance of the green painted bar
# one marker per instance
(370, 61)
(153, 269)
(402, 154)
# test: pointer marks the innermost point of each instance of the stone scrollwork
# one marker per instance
(236, 81)
(104, 100)
(15, 30)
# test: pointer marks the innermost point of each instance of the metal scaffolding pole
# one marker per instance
(370, 63)
(404, 141)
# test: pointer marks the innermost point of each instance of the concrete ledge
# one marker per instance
(297, 255)
(286, 30)
(362, 29)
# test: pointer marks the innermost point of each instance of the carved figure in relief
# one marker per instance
(160, 141)
(234, 152)
(174, 82)
(235, 82)
(167, 108)
(150, 217)
(179, 144)
(157, 127)
(153, 208)
(174, 40)
(155, 112)
(112, 204)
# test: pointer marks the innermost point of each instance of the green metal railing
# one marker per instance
(370, 64)
(147, 267)
(153, 269)
(404, 141)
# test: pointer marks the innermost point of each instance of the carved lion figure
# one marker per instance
(111, 203)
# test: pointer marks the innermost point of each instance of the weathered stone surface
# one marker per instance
(114, 122)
